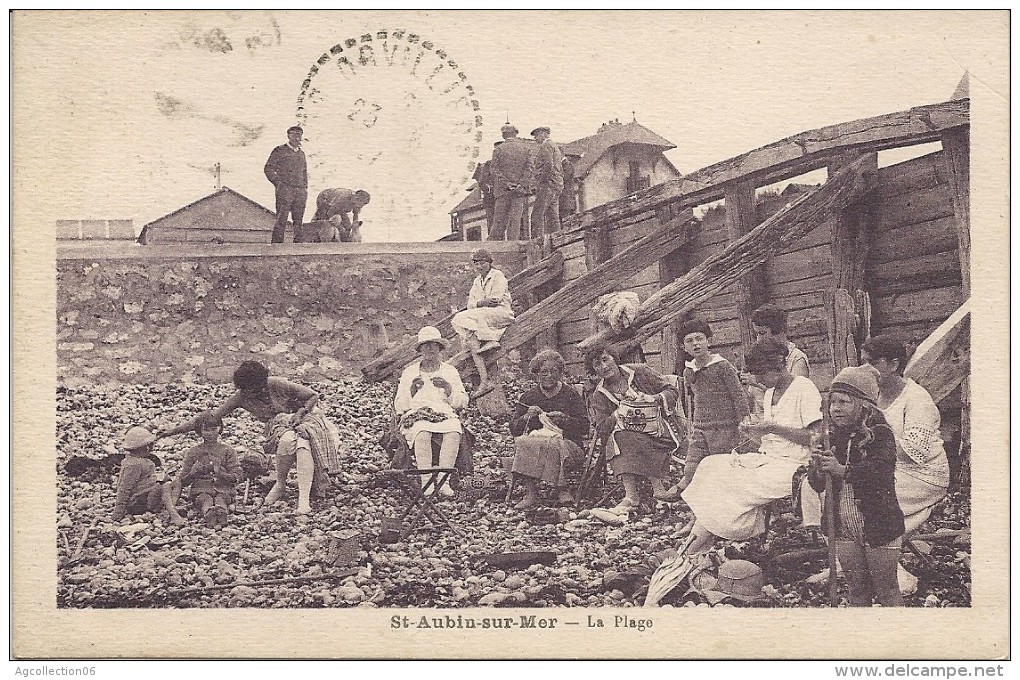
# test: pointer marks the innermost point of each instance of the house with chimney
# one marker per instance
(618, 160)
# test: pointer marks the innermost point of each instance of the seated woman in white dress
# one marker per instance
(487, 316)
(428, 396)
(729, 493)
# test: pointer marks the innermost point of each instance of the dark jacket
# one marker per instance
(567, 401)
(871, 452)
(287, 166)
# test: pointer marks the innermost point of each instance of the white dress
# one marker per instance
(431, 397)
(729, 492)
(922, 468)
(487, 323)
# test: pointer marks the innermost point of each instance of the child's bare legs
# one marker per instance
(222, 509)
(170, 493)
(204, 504)
(870, 574)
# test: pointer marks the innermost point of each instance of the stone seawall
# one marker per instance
(156, 314)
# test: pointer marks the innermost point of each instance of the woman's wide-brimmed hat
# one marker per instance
(430, 334)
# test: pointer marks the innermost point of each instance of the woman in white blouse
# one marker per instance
(922, 467)
(481, 325)
(428, 397)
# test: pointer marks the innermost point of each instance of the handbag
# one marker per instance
(640, 416)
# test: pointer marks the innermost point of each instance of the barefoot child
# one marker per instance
(138, 489)
(211, 469)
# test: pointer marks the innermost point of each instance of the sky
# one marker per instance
(123, 114)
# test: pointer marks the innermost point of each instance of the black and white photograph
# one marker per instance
(510, 334)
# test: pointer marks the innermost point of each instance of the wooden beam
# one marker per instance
(956, 156)
(942, 361)
(672, 267)
(848, 247)
(767, 239)
(605, 278)
(789, 157)
(520, 285)
(741, 217)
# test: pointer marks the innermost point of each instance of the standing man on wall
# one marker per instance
(548, 172)
(287, 169)
(510, 184)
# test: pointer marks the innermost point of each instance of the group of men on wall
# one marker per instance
(519, 169)
(337, 211)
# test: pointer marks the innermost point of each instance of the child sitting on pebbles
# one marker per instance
(212, 470)
(138, 488)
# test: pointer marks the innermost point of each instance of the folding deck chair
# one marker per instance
(421, 501)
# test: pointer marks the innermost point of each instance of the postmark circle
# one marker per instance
(393, 114)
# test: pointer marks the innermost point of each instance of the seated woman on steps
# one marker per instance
(549, 425)
(428, 396)
(487, 316)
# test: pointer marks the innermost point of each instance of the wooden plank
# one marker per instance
(809, 300)
(520, 285)
(749, 289)
(956, 155)
(933, 305)
(921, 206)
(808, 285)
(797, 266)
(911, 176)
(740, 257)
(923, 238)
(789, 157)
(916, 273)
(942, 361)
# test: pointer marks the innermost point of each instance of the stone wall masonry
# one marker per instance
(157, 314)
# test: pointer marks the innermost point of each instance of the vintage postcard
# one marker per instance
(533, 334)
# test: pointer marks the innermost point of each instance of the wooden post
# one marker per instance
(956, 157)
(846, 305)
(742, 217)
(671, 268)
